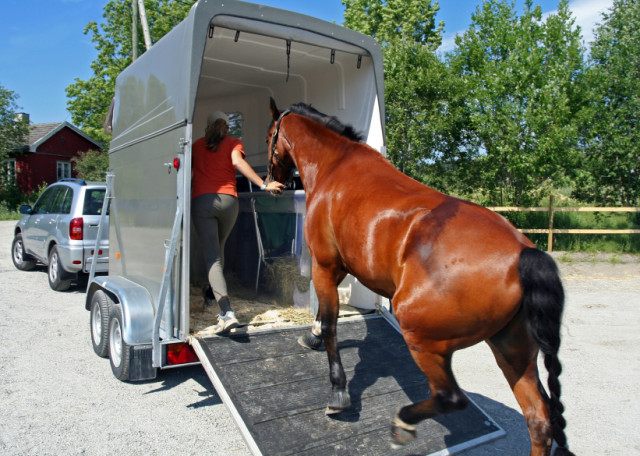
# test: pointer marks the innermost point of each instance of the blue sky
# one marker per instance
(44, 48)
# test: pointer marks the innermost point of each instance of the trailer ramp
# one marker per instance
(277, 392)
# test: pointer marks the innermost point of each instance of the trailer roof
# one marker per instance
(160, 87)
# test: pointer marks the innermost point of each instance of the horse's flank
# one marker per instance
(449, 238)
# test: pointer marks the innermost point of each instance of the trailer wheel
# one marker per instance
(21, 259)
(56, 271)
(99, 323)
(119, 353)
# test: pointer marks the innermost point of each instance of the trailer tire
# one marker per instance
(21, 259)
(100, 308)
(55, 272)
(119, 350)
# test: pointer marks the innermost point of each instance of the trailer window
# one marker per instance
(235, 124)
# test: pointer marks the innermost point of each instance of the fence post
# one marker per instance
(550, 242)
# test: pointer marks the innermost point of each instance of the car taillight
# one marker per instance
(76, 229)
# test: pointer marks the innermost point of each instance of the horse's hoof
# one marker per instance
(339, 401)
(310, 340)
(401, 433)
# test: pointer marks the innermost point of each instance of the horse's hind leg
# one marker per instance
(516, 354)
(446, 395)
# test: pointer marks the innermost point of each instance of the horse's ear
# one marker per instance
(275, 114)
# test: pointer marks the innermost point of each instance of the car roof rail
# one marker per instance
(73, 179)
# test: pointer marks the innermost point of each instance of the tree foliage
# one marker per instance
(612, 129)
(92, 165)
(411, 21)
(514, 111)
(414, 77)
(13, 133)
(88, 101)
(495, 118)
(522, 91)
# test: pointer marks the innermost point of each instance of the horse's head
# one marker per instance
(281, 162)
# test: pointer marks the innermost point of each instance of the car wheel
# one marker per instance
(119, 350)
(56, 271)
(99, 323)
(21, 259)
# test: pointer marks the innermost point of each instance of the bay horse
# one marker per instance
(456, 273)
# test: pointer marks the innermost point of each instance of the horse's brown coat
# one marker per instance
(450, 267)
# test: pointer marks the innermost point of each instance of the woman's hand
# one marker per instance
(274, 187)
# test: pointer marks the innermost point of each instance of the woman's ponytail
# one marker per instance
(215, 133)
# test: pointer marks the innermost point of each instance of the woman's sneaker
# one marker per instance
(226, 323)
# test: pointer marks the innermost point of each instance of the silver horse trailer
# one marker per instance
(145, 315)
(230, 56)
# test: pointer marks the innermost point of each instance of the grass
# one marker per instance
(588, 243)
(6, 214)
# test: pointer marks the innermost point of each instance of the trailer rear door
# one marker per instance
(277, 390)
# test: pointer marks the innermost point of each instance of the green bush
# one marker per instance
(11, 198)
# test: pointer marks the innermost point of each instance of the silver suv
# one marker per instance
(60, 231)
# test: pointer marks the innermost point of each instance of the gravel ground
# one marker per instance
(57, 397)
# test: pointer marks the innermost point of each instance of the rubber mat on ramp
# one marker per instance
(277, 392)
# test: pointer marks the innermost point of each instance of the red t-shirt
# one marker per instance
(213, 172)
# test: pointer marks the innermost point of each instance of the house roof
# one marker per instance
(39, 133)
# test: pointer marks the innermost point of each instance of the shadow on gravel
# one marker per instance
(171, 378)
(78, 285)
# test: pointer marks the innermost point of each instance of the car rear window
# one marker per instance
(93, 201)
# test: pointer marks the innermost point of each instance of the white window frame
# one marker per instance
(63, 170)
(9, 170)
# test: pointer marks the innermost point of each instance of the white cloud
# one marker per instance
(588, 14)
(448, 43)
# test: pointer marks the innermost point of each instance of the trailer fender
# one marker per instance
(136, 303)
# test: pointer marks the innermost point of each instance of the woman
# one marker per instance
(214, 203)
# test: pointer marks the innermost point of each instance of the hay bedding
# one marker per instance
(283, 301)
(254, 314)
(281, 287)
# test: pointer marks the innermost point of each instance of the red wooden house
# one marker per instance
(47, 155)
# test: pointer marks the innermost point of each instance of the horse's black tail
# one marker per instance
(543, 301)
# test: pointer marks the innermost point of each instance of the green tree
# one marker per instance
(89, 101)
(92, 165)
(13, 132)
(523, 93)
(417, 82)
(612, 130)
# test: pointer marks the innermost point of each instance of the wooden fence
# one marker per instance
(551, 209)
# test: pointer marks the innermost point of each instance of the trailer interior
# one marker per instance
(267, 264)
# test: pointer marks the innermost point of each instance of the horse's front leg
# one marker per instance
(313, 338)
(325, 282)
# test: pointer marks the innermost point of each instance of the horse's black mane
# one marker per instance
(330, 122)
